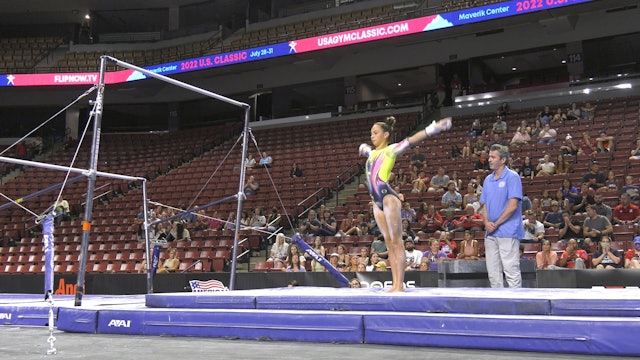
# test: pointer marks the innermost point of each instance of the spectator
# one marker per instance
(452, 199)
(202, 221)
(595, 226)
(626, 212)
(349, 225)
(562, 166)
(569, 192)
(546, 167)
(604, 142)
(586, 146)
(602, 208)
(379, 247)
(476, 129)
(468, 248)
(635, 153)
(546, 257)
(569, 228)
(545, 116)
(431, 221)
(343, 257)
(179, 232)
(418, 185)
(572, 257)
(293, 265)
(533, 229)
(559, 116)
(439, 182)
(250, 161)
(630, 188)
(569, 147)
(418, 159)
(406, 230)
(311, 225)
(632, 257)
(320, 249)
(527, 170)
(594, 178)
(273, 220)
(456, 180)
(294, 252)
(434, 254)
(586, 196)
(230, 224)
(413, 256)
(606, 257)
(424, 264)
(333, 260)
(400, 178)
(62, 211)
(296, 171)
(521, 137)
(171, 264)
(611, 184)
(449, 218)
(500, 126)
(535, 130)
(497, 139)
(251, 187)
(553, 219)
(328, 224)
(588, 111)
(381, 266)
(471, 197)
(470, 221)
(574, 113)
(547, 135)
(466, 150)
(545, 199)
(480, 146)
(373, 260)
(482, 164)
(258, 221)
(266, 160)
(245, 219)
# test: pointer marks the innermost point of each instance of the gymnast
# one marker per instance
(386, 209)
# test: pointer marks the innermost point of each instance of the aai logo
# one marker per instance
(119, 323)
(5, 316)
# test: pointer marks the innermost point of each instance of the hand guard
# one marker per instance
(364, 150)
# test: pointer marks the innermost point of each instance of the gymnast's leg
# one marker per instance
(390, 225)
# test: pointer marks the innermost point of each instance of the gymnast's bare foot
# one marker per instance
(395, 289)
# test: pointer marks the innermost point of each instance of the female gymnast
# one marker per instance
(380, 161)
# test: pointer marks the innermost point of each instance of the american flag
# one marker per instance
(205, 286)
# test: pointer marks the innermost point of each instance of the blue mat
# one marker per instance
(538, 320)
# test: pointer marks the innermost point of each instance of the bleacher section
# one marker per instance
(180, 164)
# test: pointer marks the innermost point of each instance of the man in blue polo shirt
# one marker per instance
(501, 202)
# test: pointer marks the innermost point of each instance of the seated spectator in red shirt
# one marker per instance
(626, 212)
(431, 221)
(572, 257)
(469, 221)
(632, 257)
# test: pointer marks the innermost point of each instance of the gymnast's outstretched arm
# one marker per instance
(434, 128)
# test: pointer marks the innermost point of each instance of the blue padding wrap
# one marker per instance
(297, 240)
